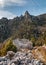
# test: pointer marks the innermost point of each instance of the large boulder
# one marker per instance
(23, 43)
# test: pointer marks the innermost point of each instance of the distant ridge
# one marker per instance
(22, 27)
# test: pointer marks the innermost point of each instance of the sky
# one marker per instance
(13, 8)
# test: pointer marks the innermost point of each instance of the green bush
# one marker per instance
(8, 47)
(33, 40)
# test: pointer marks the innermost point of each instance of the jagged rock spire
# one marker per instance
(27, 14)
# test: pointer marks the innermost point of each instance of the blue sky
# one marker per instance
(13, 8)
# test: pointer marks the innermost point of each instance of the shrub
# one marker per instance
(33, 40)
(8, 47)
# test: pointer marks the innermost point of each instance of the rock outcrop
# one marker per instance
(19, 58)
(23, 43)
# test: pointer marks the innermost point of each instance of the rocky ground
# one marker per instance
(25, 56)
(19, 58)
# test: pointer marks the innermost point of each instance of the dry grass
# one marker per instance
(40, 53)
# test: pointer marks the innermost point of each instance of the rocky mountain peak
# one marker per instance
(27, 14)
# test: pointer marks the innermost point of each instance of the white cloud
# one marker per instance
(4, 3)
(7, 14)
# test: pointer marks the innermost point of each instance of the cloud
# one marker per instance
(4, 3)
(7, 14)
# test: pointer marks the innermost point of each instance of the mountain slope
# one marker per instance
(24, 26)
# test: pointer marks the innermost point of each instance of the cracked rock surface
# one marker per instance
(19, 58)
